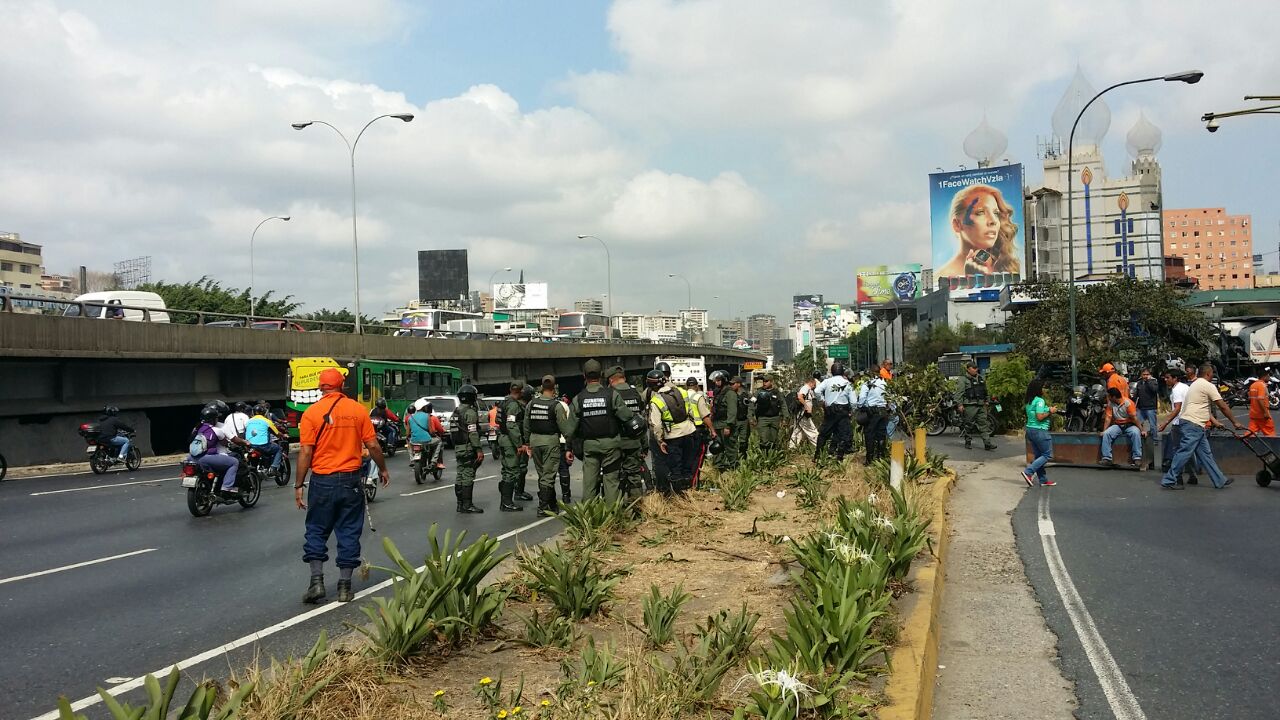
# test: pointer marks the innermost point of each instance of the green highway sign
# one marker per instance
(838, 352)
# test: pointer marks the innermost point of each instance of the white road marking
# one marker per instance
(75, 565)
(442, 487)
(1124, 705)
(100, 487)
(137, 682)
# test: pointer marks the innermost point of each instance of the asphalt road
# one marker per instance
(182, 585)
(1173, 610)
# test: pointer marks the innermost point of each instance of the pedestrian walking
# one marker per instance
(836, 394)
(971, 403)
(1260, 422)
(803, 430)
(1038, 414)
(1177, 396)
(1196, 417)
(332, 433)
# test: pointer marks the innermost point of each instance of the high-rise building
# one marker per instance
(693, 321)
(590, 305)
(760, 329)
(20, 263)
(1216, 248)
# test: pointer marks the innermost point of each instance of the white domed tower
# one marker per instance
(985, 144)
(1095, 123)
(1143, 142)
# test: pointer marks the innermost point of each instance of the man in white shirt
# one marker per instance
(237, 423)
(1195, 417)
(804, 428)
(1177, 395)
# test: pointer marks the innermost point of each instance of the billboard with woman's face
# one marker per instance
(976, 220)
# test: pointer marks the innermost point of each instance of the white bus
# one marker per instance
(683, 368)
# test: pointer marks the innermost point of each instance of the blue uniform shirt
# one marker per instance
(872, 393)
(420, 427)
(835, 390)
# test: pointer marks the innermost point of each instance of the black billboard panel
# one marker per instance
(442, 274)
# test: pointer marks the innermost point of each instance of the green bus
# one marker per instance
(400, 383)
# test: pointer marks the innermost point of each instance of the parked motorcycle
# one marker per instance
(201, 485)
(1085, 409)
(422, 467)
(944, 416)
(258, 462)
(383, 430)
(102, 454)
(1273, 387)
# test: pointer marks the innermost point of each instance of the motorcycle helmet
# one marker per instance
(242, 407)
(111, 411)
(720, 375)
(209, 414)
(528, 393)
(381, 403)
(1079, 390)
(663, 368)
(715, 447)
(221, 408)
(654, 377)
(261, 409)
(467, 394)
(428, 408)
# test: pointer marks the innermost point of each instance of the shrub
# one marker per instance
(570, 578)
(660, 613)
(829, 624)
(159, 705)
(556, 632)
(1008, 381)
(592, 668)
(736, 489)
(593, 522)
(812, 487)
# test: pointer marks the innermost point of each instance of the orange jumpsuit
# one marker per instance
(1260, 421)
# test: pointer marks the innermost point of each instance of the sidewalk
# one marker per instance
(997, 658)
(82, 467)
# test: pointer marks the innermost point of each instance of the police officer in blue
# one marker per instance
(836, 394)
(872, 397)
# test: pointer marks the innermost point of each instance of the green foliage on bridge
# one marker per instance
(208, 295)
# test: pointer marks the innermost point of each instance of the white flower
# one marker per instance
(858, 514)
(783, 679)
(885, 523)
(786, 538)
(872, 498)
(782, 494)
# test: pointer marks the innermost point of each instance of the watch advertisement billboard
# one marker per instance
(887, 284)
(520, 296)
(977, 229)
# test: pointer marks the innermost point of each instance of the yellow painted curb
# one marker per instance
(915, 659)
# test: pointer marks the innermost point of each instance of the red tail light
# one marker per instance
(292, 417)
(255, 454)
(189, 470)
(84, 426)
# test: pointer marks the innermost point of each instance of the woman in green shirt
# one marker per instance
(1038, 412)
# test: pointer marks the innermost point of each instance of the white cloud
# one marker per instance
(657, 206)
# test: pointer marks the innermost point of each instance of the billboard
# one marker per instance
(520, 296)
(977, 229)
(803, 307)
(887, 284)
(442, 275)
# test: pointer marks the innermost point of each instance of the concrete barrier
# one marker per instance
(1084, 449)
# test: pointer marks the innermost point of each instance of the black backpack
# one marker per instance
(675, 405)
(794, 406)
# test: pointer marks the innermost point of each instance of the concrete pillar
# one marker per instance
(897, 455)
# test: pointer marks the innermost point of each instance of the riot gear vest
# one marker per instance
(975, 390)
(542, 416)
(768, 403)
(462, 423)
(595, 413)
(505, 410)
(629, 396)
(720, 410)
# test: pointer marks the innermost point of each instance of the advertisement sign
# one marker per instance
(520, 296)
(886, 284)
(977, 229)
(803, 307)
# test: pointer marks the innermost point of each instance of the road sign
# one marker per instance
(838, 352)
(753, 365)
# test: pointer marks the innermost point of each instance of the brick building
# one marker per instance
(1217, 248)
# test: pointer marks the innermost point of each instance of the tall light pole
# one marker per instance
(254, 234)
(489, 287)
(351, 148)
(686, 284)
(1190, 77)
(608, 267)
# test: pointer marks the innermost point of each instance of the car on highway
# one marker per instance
(288, 325)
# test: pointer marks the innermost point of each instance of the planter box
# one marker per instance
(1085, 449)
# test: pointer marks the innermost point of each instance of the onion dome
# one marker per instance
(1144, 138)
(1095, 123)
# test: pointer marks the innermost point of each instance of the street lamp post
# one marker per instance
(608, 265)
(494, 300)
(252, 288)
(686, 284)
(1190, 77)
(351, 147)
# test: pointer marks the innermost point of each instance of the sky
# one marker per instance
(761, 149)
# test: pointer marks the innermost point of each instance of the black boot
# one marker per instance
(344, 591)
(464, 495)
(505, 490)
(315, 591)
(547, 501)
(520, 494)
(565, 496)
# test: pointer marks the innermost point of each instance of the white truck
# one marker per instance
(682, 368)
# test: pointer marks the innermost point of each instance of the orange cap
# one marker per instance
(1107, 367)
(331, 377)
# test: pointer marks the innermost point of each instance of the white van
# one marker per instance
(99, 305)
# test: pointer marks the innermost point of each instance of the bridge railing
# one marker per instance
(89, 310)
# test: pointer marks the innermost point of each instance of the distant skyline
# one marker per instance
(762, 149)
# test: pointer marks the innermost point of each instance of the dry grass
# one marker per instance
(361, 689)
(723, 559)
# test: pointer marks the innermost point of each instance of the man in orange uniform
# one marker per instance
(1114, 379)
(886, 370)
(1260, 422)
(332, 432)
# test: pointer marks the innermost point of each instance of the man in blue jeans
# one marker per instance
(331, 434)
(113, 431)
(1196, 416)
(1121, 419)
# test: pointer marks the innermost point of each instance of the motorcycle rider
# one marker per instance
(631, 476)
(236, 423)
(217, 456)
(426, 430)
(111, 430)
(512, 449)
(971, 403)
(546, 422)
(468, 453)
(260, 432)
(391, 421)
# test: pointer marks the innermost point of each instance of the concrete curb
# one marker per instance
(915, 659)
(58, 469)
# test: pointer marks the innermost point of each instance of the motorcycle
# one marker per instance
(1085, 409)
(943, 417)
(383, 429)
(424, 466)
(1273, 388)
(102, 454)
(371, 479)
(201, 485)
(257, 462)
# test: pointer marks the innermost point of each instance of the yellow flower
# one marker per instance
(486, 680)
(439, 693)
(502, 714)
(590, 683)
(516, 710)
(546, 703)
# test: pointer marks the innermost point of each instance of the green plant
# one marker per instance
(593, 522)
(718, 645)
(557, 632)
(906, 534)
(812, 487)
(660, 611)
(912, 470)
(400, 624)
(199, 706)
(571, 579)
(302, 687)
(829, 624)
(918, 391)
(1008, 381)
(489, 692)
(763, 460)
(592, 668)
(736, 489)
(935, 462)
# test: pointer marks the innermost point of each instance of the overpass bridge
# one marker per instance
(56, 371)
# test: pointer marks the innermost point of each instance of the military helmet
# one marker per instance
(664, 368)
(527, 393)
(467, 394)
(654, 377)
